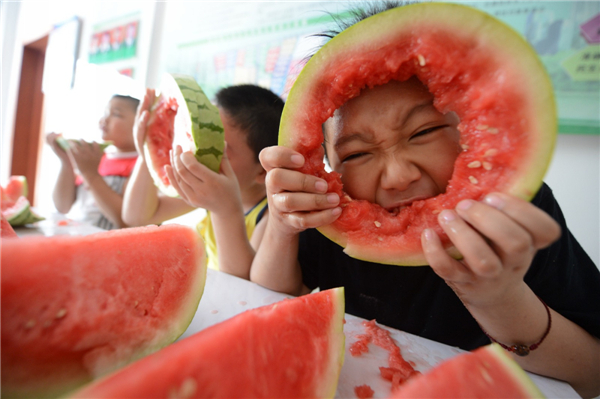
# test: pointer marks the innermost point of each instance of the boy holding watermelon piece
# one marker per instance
(91, 183)
(235, 198)
(519, 282)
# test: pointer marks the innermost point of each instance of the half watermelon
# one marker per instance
(182, 115)
(487, 372)
(291, 349)
(475, 66)
(77, 307)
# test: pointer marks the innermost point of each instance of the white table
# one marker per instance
(56, 225)
(226, 295)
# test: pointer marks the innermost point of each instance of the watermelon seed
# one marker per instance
(487, 166)
(464, 147)
(481, 127)
(188, 388)
(492, 130)
(380, 238)
(474, 164)
(421, 59)
(491, 152)
(30, 324)
(61, 313)
(135, 304)
(473, 180)
(436, 211)
(486, 376)
(377, 224)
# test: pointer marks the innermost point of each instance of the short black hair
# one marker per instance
(134, 102)
(255, 110)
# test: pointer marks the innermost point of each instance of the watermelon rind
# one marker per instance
(196, 115)
(21, 213)
(498, 61)
(66, 143)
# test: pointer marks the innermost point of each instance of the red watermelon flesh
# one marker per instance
(487, 372)
(159, 137)
(6, 230)
(77, 307)
(15, 187)
(291, 349)
(475, 66)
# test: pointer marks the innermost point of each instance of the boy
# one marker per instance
(393, 147)
(91, 183)
(234, 198)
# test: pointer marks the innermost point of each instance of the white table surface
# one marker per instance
(56, 225)
(225, 296)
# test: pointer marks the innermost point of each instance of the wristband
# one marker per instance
(520, 349)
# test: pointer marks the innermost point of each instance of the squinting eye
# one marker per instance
(353, 156)
(426, 131)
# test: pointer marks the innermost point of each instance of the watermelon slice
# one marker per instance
(66, 143)
(182, 115)
(475, 66)
(487, 372)
(16, 209)
(6, 230)
(291, 349)
(77, 307)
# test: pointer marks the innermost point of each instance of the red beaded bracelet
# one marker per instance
(523, 350)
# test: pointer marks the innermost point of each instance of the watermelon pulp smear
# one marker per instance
(291, 349)
(77, 307)
(475, 66)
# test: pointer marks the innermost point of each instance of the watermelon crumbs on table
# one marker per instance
(399, 370)
(364, 392)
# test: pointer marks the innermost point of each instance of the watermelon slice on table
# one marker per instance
(15, 187)
(487, 372)
(6, 230)
(182, 115)
(475, 66)
(77, 307)
(291, 349)
(15, 207)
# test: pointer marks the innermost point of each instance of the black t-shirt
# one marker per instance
(417, 301)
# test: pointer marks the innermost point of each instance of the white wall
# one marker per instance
(574, 174)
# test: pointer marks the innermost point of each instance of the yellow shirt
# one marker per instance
(205, 229)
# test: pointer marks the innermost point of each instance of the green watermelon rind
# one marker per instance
(66, 143)
(317, 81)
(205, 122)
(21, 215)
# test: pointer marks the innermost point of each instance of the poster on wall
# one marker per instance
(262, 43)
(114, 41)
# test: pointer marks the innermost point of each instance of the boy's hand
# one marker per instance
(86, 157)
(51, 141)
(498, 239)
(200, 187)
(141, 120)
(297, 201)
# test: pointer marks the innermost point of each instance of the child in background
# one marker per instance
(91, 183)
(235, 198)
(518, 281)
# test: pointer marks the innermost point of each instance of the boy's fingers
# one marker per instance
(192, 166)
(280, 157)
(302, 221)
(180, 186)
(279, 180)
(440, 261)
(477, 253)
(543, 229)
(294, 202)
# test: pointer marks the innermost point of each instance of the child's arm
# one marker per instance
(86, 158)
(64, 192)
(218, 193)
(498, 238)
(142, 203)
(296, 202)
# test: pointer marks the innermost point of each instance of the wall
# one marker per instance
(574, 173)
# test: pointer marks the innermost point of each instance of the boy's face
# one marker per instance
(392, 146)
(243, 161)
(117, 123)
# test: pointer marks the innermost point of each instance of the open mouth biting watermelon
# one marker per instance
(291, 349)
(475, 66)
(487, 372)
(77, 307)
(182, 115)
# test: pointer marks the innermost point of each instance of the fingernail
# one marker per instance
(428, 234)
(333, 198)
(321, 186)
(494, 201)
(447, 216)
(336, 211)
(464, 205)
(298, 159)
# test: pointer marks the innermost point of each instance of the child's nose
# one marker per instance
(398, 173)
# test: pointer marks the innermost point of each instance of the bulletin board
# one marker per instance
(266, 43)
